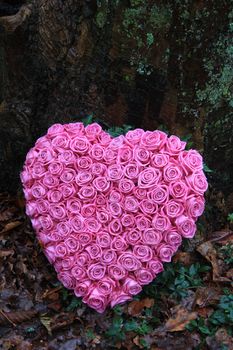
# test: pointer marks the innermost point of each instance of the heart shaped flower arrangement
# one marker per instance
(109, 211)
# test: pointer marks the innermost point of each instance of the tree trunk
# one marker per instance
(130, 62)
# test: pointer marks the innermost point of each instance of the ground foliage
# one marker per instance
(189, 305)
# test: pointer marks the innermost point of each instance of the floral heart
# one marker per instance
(109, 211)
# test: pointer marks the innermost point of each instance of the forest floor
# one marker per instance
(189, 306)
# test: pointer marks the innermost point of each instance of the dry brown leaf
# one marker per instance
(136, 306)
(179, 320)
(184, 257)
(207, 296)
(222, 237)
(16, 317)
(10, 226)
(6, 252)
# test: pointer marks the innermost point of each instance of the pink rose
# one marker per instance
(61, 141)
(142, 223)
(129, 262)
(115, 227)
(110, 155)
(50, 181)
(190, 161)
(101, 184)
(82, 259)
(197, 182)
(96, 271)
(50, 253)
(151, 237)
(173, 209)
(26, 179)
(149, 177)
(106, 286)
(195, 206)
(131, 170)
(58, 211)
(131, 204)
(38, 170)
(116, 271)
(119, 297)
(95, 300)
(55, 129)
(45, 156)
(80, 145)
(134, 136)
(103, 216)
(117, 142)
(67, 263)
(61, 250)
(54, 196)
(83, 178)
(132, 236)
(155, 266)
(97, 152)
(77, 223)
(178, 189)
(94, 251)
(84, 163)
(172, 172)
(142, 252)
(98, 169)
(87, 192)
(66, 157)
(75, 129)
(78, 273)
(73, 205)
(119, 244)
(67, 190)
(104, 138)
(153, 140)
(186, 226)
(103, 239)
(109, 256)
(161, 223)
(173, 238)
(143, 276)
(100, 200)
(92, 131)
(127, 220)
(66, 279)
(72, 244)
(115, 196)
(148, 207)
(159, 160)
(68, 175)
(174, 145)
(141, 156)
(42, 206)
(125, 154)
(92, 225)
(55, 168)
(165, 252)
(82, 288)
(45, 222)
(38, 191)
(140, 193)
(63, 229)
(114, 172)
(31, 208)
(88, 210)
(125, 186)
(85, 238)
(131, 286)
(159, 194)
(115, 209)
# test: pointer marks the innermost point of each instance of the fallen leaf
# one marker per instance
(184, 258)
(207, 296)
(222, 237)
(179, 320)
(10, 226)
(6, 252)
(136, 306)
(46, 322)
(16, 317)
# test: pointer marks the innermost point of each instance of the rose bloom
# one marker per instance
(104, 138)
(131, 286)
(161, 223)
(129, 262)
(101, 184)
(116, 271)
(61, 141)
(141, 156)
(63, 228)
(96, 271)
(55, 129)
(61, 250)
(94, 251)
(149, 177)
(110, 155)
(140, 193)
(82, 288)
(26, 178)
(75, 129)
(132, 236)
(127, 220)
(72, 244)
(195, 206)
(42, 206)
(55, 168)
(50, 253)
(66, 279)
(151, 237)
(45, 156)
(80, 145)
(78, 273)
(117, 142)
(148, 207)
(143, 253)
(92, 224)
(100, 200)
(134, 136)
(115, 209)
(109, 256)
(50, 181)
(173, 238)
(190, 161)
(153, 140)
(58, 211)
(171, 172)
(103, 216)
(77, 223)
(115, 227)
(174, 145)
(125, 154)
(165, 252)
(84, 163)
(125, 186)
(98, 169)
(31, 208)
(73, 205)
(83, 178)
(131, 170)
(106, 286)
(173, 209)
(95, 300)
(82, 259)
(54, 196)
(131, 204)
(87, 192)
(143, 276)
(85, 238)
(67, 190)
(155, 266)
(159, 194)
(38, 191)
(186, 226)
(92, 131)
(88, 210)
(119, 244)
(45, 222)
(197, 182)
(103, 239)
(178, 189)
(115, 196)
(66, 157)
(142, 223)
(159, 160)
(68, 175)
(38, 170)
(119, 297)
(96, 152)
(67, 263)
(114, 172)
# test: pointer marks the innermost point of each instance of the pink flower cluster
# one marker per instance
(109, 211)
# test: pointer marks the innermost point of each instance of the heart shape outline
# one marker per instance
(109, 211)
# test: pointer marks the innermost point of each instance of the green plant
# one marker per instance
(227, 252)
(117, 130)
(230, 217)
